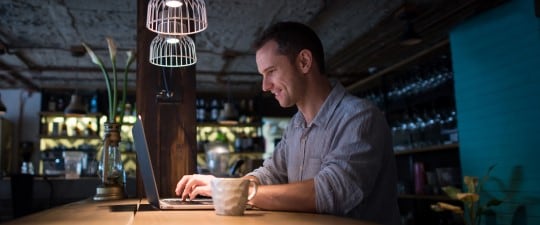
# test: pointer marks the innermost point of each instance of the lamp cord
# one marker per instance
(165, 79)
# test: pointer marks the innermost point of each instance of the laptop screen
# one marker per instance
(143, 158)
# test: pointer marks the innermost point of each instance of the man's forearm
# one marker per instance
(290, 197)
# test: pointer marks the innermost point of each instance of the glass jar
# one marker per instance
(111, 168)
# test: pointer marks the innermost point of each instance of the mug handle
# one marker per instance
(255, 186)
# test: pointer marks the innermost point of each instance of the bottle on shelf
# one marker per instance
(258, 141)
(55, 130)
(60, 104)
(51, 105)
(201, 110)
(94, 104)
(201, 142)
(214, 110)
(419, 178)
(134, 111)
(239, 142)
(76, 131)
(63, 129)
(251, 114)
(127, 109)
(89, 131)
(242, 111)
(44, 126)
(248, 142)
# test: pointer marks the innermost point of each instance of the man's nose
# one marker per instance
(266, 85)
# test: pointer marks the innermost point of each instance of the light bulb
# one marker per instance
(173, 3)
(172, 40)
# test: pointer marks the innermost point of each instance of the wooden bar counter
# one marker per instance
(84, 212)
(133, 211)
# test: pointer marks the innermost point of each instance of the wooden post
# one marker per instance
(169, 123)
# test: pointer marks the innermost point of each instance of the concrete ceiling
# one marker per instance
(38, 38)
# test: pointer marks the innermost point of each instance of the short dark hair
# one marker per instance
(293, 37)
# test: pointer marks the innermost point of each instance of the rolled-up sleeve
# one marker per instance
(347, 151)
(274, 169)
(349, 170)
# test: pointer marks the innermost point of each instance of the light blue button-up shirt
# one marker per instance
(347, 150)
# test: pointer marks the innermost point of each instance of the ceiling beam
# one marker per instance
(22, 79)
(96, 69)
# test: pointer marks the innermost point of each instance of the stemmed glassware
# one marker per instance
(426, 129)
(420, 81)
(418, 126)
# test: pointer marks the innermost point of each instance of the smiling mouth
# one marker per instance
(276, 94)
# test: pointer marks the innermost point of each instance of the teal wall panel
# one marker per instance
(496, 63)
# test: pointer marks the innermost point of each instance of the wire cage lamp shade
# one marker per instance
(176, 17)
(172, 51)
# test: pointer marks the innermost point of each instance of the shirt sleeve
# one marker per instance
(274, 169)
(349, 170)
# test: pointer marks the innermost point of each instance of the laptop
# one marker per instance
(149, 181)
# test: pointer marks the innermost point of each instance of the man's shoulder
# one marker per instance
(351, 103)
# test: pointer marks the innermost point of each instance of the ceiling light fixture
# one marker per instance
(167, 54)
(229, 114)
(173, 3)
(172, 40)
(75, 107)
(174, 17)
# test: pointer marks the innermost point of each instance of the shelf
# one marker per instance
(69, 137)
(355, 86)
(444, 93)
(426, 197)
(428, 149)
(216, 124)
(61, 114)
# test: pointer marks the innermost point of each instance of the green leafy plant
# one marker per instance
(470, 199)
(112, 88)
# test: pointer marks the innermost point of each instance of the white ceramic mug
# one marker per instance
(230, 195)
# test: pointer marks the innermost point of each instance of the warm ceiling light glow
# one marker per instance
(163, 18)
(166, 54)
(172, 40)
(173, 3)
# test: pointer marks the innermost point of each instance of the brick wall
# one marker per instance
(496, 58)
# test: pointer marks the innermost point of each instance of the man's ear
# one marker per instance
(304, 60)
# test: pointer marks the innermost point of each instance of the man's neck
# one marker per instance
(316, 93)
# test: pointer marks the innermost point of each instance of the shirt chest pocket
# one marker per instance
(314, 157)
(312, 166)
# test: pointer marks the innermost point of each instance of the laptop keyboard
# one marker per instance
(178, 201)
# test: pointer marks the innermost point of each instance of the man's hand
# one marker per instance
(193, 185)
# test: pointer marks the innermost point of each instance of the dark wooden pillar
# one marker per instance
(169, 122)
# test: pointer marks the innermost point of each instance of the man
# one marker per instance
(336, 154)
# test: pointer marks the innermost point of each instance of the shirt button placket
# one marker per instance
(304, 138)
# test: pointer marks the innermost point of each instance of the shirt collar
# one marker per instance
(327, 109)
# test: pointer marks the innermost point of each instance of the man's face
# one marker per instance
(279, 75)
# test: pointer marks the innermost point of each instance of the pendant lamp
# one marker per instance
(75, 107)
(172, 51)
(176, 17)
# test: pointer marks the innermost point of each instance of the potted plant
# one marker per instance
(470, 199)
(112, 88)
(110, 167)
